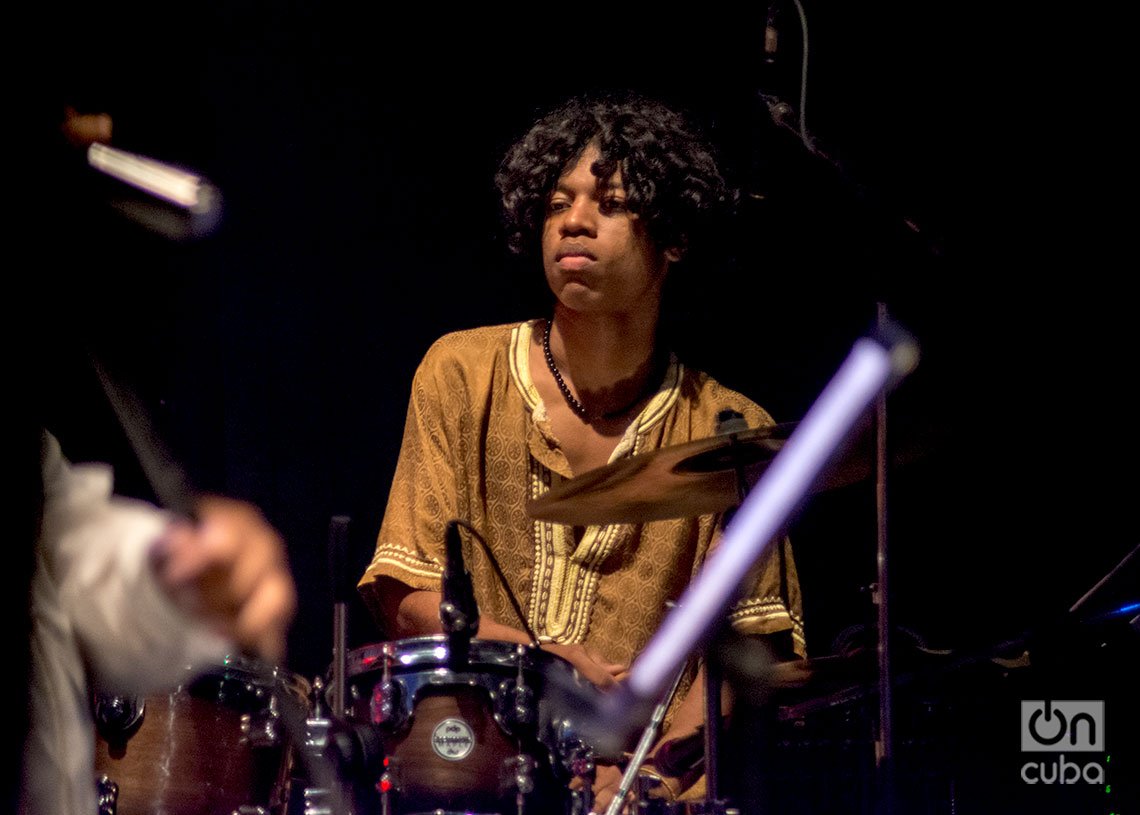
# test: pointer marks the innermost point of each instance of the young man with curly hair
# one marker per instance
(611, 194)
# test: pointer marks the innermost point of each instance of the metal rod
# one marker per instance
(869, 368)
(712, 730)
(340, 668)
(884, 752)
(338, 556)
(648, 736)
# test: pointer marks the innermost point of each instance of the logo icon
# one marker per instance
(1050, 726)
(453, 739)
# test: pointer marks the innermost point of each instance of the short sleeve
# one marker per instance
(423, 496)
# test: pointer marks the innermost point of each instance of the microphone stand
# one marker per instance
(458, 612)
(786, 117)
(729, 422)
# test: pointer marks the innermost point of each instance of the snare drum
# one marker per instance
(474, 738)
(213, 745)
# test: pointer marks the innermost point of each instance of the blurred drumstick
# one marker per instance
(172, 486)
(177, 203)
(165, 181)
(173, 490)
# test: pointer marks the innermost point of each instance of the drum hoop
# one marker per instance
(251, 672)
(431, 652)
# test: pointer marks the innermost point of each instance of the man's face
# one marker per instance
(597, 254)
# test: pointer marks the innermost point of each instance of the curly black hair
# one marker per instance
(670, 174)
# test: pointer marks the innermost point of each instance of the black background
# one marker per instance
(976, 163)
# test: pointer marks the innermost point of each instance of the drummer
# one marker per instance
(612, 196)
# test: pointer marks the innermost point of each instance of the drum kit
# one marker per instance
(415, 725)
(453, 724)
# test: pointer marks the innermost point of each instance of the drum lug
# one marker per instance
(514, 705)
(518, 774)
(579, 761)
(107, 792)
(117, 718)
(575, 756)
(318, 802)
(386, 705)
(389, 785)
(260, 729)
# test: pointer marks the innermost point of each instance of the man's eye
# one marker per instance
(558, 205)
(610, 205)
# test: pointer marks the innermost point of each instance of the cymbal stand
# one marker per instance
(729, 422)
(884, 749)
(876, 362)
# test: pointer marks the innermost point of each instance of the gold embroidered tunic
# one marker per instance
(478, 446)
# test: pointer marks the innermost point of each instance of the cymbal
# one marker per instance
(682, 481)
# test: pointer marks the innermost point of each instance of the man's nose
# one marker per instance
(580, 219)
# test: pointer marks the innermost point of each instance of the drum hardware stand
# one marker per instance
(326, 747)
(648, 736)
(338, 550)
(729, 422)
(884, 749)
(875, 363)
(318, 799)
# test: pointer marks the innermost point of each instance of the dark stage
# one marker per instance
(955, 181)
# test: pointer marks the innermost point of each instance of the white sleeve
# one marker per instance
(94, 550)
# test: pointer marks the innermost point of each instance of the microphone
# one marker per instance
(458, 611)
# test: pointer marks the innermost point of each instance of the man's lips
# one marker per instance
(573, 257)
(574, 263)
(572, 250)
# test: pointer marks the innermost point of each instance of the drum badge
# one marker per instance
(453, 739)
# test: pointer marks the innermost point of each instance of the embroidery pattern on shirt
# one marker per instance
(566, 575)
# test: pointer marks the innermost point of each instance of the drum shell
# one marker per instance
(495, 723)
(212, 745)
